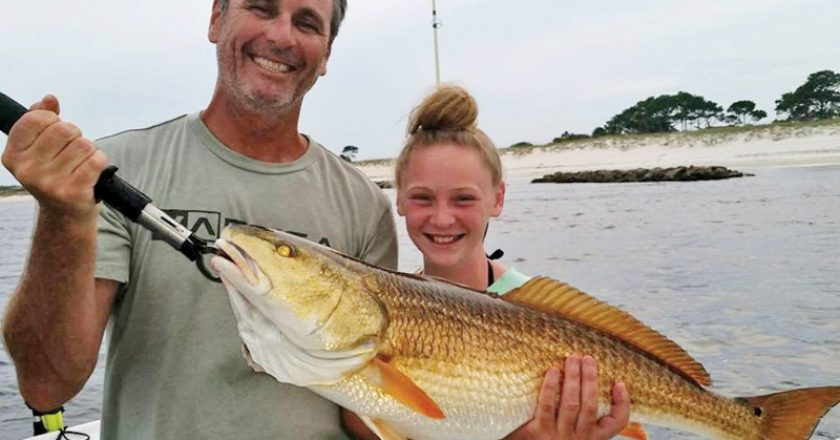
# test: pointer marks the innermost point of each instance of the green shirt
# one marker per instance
(509, 280)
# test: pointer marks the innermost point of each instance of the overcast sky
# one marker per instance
(537, 67)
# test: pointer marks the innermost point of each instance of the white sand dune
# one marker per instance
(758, 148)
(16, 199)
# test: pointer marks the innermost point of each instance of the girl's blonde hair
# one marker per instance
(448, 116)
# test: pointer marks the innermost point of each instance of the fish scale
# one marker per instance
(421, 358)
(532, 345)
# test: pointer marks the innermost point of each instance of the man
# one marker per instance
(174, 370)
(174, 366)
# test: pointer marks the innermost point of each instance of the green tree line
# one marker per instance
(817, 98)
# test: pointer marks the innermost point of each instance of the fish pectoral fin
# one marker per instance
(635, 431)
(399, 386)
(382, 429)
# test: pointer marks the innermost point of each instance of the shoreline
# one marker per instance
(813, 147)
(16, 198)
(760, 147)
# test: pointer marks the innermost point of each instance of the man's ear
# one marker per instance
(322, 69)
(499, 201)
(213, 30)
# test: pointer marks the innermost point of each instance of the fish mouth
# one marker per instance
(236, 267)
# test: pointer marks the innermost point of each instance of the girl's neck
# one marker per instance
(471, 273)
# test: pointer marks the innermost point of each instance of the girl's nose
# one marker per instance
(442, 215)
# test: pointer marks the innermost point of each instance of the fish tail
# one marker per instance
(792, 415)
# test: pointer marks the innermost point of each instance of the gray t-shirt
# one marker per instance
(175, 369)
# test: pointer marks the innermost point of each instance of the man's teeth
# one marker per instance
(272, 66)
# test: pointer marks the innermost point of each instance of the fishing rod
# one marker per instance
(436, 23)
(130, 201)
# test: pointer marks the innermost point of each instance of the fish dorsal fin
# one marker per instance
(393, 382)
(556, 298)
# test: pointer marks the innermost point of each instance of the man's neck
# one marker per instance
(268, 138)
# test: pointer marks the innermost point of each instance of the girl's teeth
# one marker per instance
(443, 239)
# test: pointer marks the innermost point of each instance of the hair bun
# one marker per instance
(449, 107)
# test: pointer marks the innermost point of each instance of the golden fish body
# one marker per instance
(425, 359)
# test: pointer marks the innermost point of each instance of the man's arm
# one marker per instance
(55, 346)
(355, 427)
(55, 320)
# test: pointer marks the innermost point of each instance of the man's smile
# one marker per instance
(272, 66)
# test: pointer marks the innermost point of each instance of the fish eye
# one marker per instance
(284, 250)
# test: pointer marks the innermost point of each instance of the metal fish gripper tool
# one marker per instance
(132, 203)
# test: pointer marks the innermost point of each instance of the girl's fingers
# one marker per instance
(587, 416)
(546, 413)
(569, 397)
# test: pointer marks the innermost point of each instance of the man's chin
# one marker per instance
(274, 96)
(268, 101)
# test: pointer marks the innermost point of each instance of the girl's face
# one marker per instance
(447, 196)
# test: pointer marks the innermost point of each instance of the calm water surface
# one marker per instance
(743, 273)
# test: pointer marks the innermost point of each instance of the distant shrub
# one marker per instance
(522, 144)
(598, 132)
(12, 191)
(566, 136)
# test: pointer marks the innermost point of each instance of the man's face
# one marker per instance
(271, 52)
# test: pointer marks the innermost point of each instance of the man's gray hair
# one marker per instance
(339, 9)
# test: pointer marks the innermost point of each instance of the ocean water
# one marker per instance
(743, 273)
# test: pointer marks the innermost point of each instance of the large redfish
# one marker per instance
(425, 359)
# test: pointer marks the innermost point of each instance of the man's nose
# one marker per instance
(280, 31)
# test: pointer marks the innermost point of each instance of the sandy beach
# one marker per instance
(16, 199)
(757, 148)
(750, 149)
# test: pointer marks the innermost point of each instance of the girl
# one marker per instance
(449, 185)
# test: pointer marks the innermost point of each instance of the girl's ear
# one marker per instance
(400, 204)
(499, 201)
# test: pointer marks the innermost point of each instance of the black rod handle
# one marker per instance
(110, 188)
(10, 112)
(119, 194)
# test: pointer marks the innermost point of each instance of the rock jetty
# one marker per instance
(674, 174)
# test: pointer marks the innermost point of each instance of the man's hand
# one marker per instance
(52, 160)
(570, 412)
